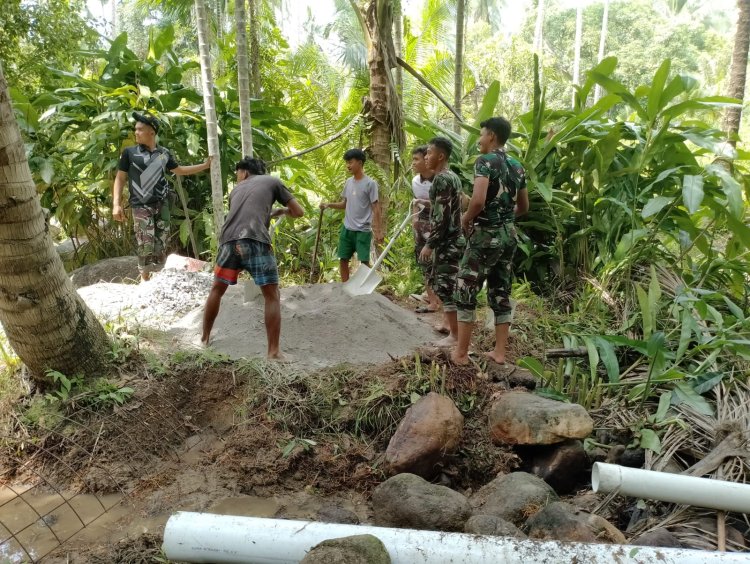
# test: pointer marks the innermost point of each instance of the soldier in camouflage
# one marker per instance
(144, 167)
(445, 243)
(498, 196)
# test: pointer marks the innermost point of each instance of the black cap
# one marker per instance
(148, 119)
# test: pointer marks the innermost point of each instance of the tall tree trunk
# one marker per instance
(243, 79)
(398, 23)
(212, 131)
(458, 85)
(46, 322)
(602, 45)
(254, 14)
(539, 28)
(577, 53)
(113, 15)
(537, 48)
(386, 121)
(738, 72)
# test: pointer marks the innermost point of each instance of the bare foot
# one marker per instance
(278, 357)
(495, 358)
(145, 276)
(459, 360)
(449, 341)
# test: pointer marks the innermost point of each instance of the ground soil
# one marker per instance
(203, 434)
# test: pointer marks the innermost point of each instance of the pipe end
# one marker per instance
(595, 477)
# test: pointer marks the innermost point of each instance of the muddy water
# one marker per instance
(33, 523)
(40, 522)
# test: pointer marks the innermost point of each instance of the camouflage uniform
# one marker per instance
(492, 244)
(445, 236)
(150, 201)
(151, 226)
(421, 227)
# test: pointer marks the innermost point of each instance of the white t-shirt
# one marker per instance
(421, 188)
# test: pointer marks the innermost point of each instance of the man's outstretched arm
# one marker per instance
(193, 169)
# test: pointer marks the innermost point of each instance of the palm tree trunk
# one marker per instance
(577, 53)
(602, 45)
(212, 131)
(738, 72)
(253, 13)
(386, 122)
(46, 322)
(458, 85)
(243, 79)
(399, 45)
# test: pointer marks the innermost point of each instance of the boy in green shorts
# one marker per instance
(359, 200)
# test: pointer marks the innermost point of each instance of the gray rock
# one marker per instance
(492, 525)
(513, 497)
(561, 521)
(336, 514)
(657, 537)
(430, 430)
(408, 501)
(118, 269)
(562, 466)
(521, 418)
(358, 549)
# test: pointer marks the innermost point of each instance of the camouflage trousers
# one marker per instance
(421, 232)
(151, 226)
(488, 256)
(444, 271)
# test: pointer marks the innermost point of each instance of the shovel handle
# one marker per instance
(313, 266)
(401, 227)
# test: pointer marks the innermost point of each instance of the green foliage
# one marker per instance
(33, 34)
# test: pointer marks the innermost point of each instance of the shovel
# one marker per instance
(314, 264)
(366, 279)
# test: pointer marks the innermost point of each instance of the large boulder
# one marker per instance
(562, 466)
(408, 501)
(357, 549)
(429, 431)
(521, 418)
(513, 497)
(561, 521)
(492, 525)
(118, 269)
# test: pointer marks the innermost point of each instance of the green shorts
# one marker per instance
(354, 241)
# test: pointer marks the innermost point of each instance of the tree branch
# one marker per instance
(319, 145)
(408, 68)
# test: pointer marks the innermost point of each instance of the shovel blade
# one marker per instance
(364, 281)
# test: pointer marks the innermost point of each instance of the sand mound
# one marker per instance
(321, 324)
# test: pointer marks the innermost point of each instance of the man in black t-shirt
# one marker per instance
(245, 244)
(144, 165)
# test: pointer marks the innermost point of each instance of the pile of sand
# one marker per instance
(321, 324)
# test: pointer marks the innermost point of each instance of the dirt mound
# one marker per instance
(321, 326)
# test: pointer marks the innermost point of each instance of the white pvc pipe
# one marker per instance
(203, 537)
(674, 488)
